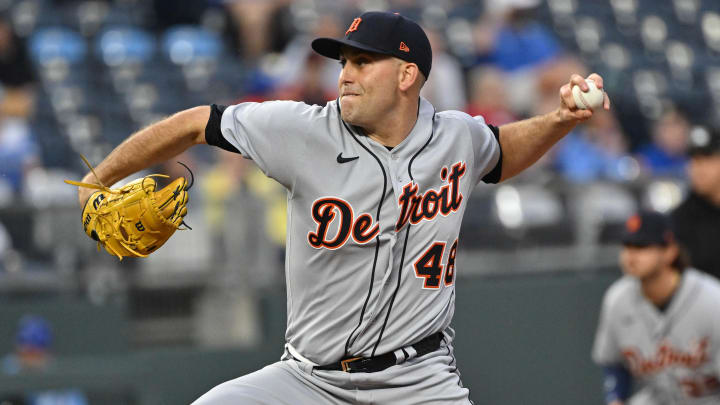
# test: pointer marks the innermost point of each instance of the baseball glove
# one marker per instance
(136, 219)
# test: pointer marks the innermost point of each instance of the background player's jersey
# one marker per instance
(372, 232)
(675, 354)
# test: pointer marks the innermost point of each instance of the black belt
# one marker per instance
(383, 361)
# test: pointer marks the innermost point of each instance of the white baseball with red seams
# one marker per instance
(592, 99)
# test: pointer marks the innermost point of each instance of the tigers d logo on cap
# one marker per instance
(354, 25)
(633, 223)
(647, 228)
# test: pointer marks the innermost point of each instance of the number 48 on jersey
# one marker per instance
(429, 266)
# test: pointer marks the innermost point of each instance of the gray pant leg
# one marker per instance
(277, 384)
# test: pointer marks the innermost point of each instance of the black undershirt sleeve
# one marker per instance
(213, 135)
(494, 175)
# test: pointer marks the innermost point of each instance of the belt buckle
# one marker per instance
(344, 363)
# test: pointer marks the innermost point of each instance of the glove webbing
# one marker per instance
(103, 187)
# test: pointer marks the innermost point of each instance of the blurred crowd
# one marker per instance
(502, 59)
(78, 76)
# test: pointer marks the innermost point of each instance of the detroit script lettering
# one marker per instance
(414, 207)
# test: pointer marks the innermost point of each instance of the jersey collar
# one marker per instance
(417, 138)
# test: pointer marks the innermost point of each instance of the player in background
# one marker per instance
(659, 326)
(697, 220)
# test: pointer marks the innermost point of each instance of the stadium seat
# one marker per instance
(681, 59)
(625, 12)
(711, 30)
(59, 54)
(196, 51)
(66, 100)
(616, 57)
(686, 11)
(589, 35)
(90, 16)
(183, 45)
(664, 194)
(25, 17)
(712, 76)
(118, 46)
(649, 83)
(48, 45)
(563, 15)
(654, 33)
(533, 215)
(601, 210)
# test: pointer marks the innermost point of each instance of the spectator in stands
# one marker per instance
(593, 151)
(666, 154)
(601, 143)
(261, 27)
(18, 150)
(33, 354)
(520, 42)
(310, 88)
(167, 14)
(445, 89)
(32, 346)
(488, 96)
(297, 73)
(697, 219)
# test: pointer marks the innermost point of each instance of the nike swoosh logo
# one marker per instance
(341, 159)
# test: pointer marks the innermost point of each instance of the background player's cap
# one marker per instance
(385, 33)
(33, 332)
(703, 141)
(646, 229)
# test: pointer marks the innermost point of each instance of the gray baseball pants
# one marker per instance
(430, 379)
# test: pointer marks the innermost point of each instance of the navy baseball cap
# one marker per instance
(647, 228)
(383, 33)
(703, 141)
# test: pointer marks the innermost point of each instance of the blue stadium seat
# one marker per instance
(57, 43)
(120, 45)
(183, 45)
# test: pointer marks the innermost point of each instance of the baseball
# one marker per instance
(591, 99)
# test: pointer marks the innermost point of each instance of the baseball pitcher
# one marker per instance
(377, 184)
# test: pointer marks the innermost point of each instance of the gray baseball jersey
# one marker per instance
(372, 233)
(674, 354)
